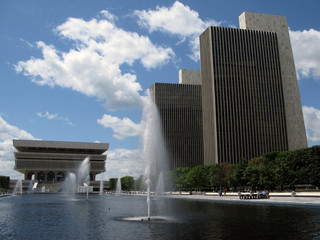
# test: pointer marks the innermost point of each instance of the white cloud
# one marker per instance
(26, 42)
(47, 115)
(122, 128)
(92, 67)
(306, 51)
(7, 134)
(312, 123)
(109, 15)
(51, 116)
(177, 20)
(123, 162)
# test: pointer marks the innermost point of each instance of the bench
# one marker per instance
(253, 196)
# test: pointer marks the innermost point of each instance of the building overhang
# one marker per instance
(60, 146)
(36, 156)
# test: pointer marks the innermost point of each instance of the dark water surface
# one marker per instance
(55, 216)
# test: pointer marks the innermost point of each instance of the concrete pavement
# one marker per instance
(301, 198)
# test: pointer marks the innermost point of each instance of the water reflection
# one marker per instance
(54, 216)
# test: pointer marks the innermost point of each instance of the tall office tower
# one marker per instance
(245, 99)
(296, 131)
(180, 110)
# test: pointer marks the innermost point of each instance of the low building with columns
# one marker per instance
(51, 161)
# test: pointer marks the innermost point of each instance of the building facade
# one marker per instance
(180, 110)
(247, 108)
(296, 131)
(243, 103)
(51, 161)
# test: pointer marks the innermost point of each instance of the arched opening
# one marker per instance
(40, 176)
(60, 177)
(29, 175)
(50, 176)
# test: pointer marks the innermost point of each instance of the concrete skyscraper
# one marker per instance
(250, 96)
(294, 118)
(180, 110)
(243, 103)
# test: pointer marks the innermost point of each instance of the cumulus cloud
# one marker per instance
(51, 116)
(177, 20)
(122, 128)
(7, 134)
(306, 49)
(312, 123)
(92, 67)
(123, 162)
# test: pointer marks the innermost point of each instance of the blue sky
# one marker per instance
(79, 70)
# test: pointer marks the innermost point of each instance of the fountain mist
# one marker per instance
(18, 188)
(118, 187)
(30, 187)
(101, 187)
(160, 185)
(154, 149)
(80, 181)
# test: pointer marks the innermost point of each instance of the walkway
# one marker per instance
(303, 198)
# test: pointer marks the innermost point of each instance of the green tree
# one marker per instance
(138, 184)
(184, 180)
(113, 183)
(251, 174)
(197, 178)
(284, 169)
(127, 183)
(223, 175)
(4, 182)
(307, 166)
(237, 177)
(213, 170)
(267, 169)
(314, 167)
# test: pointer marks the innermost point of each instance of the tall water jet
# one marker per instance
(18, 188)
(118, 187)
(154, 150)
(83, 176)
(30, 187)
(79, 182)
(160, 186)
(70, 184)
(101, 187)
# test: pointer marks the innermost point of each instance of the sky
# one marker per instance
(80, 70)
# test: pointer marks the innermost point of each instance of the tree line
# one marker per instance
(273, 170)
(128, 183)
(270, 171)
(4, 182)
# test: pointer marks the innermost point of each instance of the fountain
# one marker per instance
(69, 184)
(30, 187)
(83, 172)
(154, 154)
(83, 176)
(80, 182)
(118, 187)
(18, 188)
(101, 187)
(160, 186)
(154, 150)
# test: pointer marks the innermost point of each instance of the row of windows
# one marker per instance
(180, 108)
(249, 98)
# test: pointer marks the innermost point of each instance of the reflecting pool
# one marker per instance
(57, 216)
